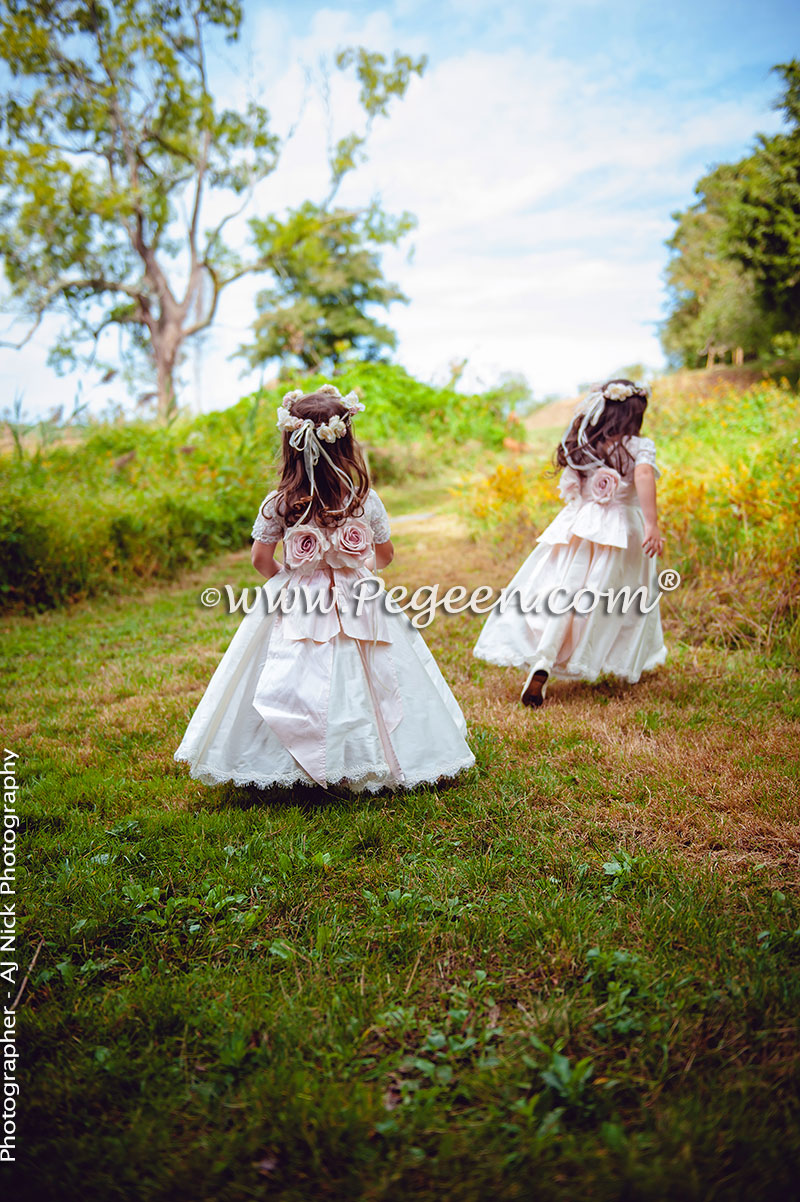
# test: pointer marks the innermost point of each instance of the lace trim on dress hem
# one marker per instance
(582, 672)
(577, 671)
(365, 777)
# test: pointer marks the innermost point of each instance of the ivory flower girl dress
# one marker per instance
(594, 544)
(331, 693)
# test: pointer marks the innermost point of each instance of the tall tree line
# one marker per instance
(734, 269)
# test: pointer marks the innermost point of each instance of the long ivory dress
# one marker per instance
(338, 697)
(594, 544)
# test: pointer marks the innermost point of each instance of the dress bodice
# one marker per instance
(600, 501)
(269, 527)
(326, 564)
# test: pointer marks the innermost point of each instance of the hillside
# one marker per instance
(583, 955)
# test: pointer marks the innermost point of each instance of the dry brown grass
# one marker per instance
(669, 764)
(715, 785)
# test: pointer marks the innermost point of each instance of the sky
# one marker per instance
(542, 152)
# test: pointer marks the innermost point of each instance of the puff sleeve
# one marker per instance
(377, 517)
(268, 527)
(645, 452)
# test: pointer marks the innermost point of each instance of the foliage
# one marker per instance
(515, 393)
(714, 308)
(764, 222)
(732, 278)
(109, 132)
(328, 278)
(401, 409)
(139, 501)
(505, 505)
(727, 502)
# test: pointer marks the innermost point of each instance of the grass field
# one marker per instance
(573, 974)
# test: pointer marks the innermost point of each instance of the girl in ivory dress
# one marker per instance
(320, 684)
(605, 537)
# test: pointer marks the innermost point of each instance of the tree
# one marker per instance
(328, 274)
(734, 272)
(714, 307)
(763, 233)
(110, 128)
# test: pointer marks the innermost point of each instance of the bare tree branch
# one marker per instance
(17, 346)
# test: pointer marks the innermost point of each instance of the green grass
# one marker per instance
(573, 974)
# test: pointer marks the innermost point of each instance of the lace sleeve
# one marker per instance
(268, 527)
(375, 513)
(645, 452)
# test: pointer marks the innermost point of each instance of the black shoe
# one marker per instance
(535, 687)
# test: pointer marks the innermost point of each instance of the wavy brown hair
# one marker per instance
(330, 491)
(619, 420)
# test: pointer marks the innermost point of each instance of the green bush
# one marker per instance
(141, 501)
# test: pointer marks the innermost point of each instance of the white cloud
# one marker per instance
(543, 193)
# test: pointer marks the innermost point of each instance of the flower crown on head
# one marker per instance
(306, 437)
(615, 391)
(335, 427)
(595, 401)
(591, 409)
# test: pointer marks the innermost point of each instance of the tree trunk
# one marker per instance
(166, 388)
(166, 342)
(738, 356)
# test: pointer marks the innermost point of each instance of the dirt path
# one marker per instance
(410, 519)
(556, 415)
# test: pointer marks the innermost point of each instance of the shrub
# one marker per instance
(140, 501)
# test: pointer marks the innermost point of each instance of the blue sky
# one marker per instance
(543, 153)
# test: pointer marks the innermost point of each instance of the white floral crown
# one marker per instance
(591, 409)
(335, 427)
(620, 392)
(594, 403)
(305, 435)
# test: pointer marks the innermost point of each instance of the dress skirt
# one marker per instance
(329, 700)
(574, 645)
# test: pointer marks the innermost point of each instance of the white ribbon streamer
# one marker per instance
(594, 407)
(305, 439)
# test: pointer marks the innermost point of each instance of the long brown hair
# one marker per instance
(330, 491)
(619, 420)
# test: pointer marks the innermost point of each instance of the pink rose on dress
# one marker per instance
(351, 542)
(303, 546)
(604, 485)
(569, 485)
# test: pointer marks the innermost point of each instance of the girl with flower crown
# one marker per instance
(322, 684)
(560, 617)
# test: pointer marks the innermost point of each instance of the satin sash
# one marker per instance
(292, 694)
